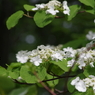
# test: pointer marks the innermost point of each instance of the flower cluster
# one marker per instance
(42, 53)
(82, 84)
(85, 58)
(53, 7)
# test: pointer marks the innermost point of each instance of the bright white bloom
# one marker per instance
(22, 56)
(86, 58)
(90, 82)
(56, 56)
(38, 6)
(36, 60)
(81, 63)
(66, 8)
(75, 81)
(53, 4)
(52, 7)
(52, 11)
(79, 84)
(90, 35)
(70, 63)
(69, 52)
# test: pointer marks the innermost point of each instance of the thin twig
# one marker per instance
(16, 81)
(47, 88)
(28, 16)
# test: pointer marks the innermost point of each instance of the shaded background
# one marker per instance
(27, 36)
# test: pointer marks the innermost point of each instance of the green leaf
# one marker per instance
(70, 87)
(6, 84)
(89, 71)
(14, 74)
(3, 71)
(62, 64)
(74, 43)
(53, 68)
(90, 3)
(73, 11)
(32, 90)
(28, 7)
(90, 11)
(30, 77)
(42, 19)
(75, 68)
(19, 91)
(78, 93)
(13, 19)
(15, 65)
(13, 70)
(88, 92)
(52, 83)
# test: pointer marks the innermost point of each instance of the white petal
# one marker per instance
(80, 86)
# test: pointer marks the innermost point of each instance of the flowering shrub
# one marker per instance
(47, 64)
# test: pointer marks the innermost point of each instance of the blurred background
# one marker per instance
(27, 36)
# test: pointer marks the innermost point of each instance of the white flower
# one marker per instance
(79, 84)
(52, 7)
(75, 81)
(70, 63)
(69, 52)
(53, 4)
(22, 56)
(66, 8)
(52, 11)
(39, 6)
(56, 56)
(36, 60)
(90, 35)
(81, 63)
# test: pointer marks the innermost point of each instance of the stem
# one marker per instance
(49, 90)
(45, 80)
(28, 16)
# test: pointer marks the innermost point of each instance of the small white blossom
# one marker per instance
(36, 60)
(90, 35)
(69, 52)
(53, 4)
(79, 84)
(70, 63)
(75, 81)
(22, 56)
(56, 56)
(66, 8)
(53, 7)
(39, 6)
(52, 11)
